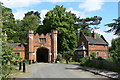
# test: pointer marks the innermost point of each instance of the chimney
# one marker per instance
(94, 35)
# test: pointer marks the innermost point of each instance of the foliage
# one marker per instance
(83, 25)
(100, 63)
(31, 21)
(85, 61)
(17, 29)
(8, 22)
(100, 58)
(59, 57)
(67, 55)
(115, 26)
(62, 21)
(115, 49)
(8, 58)
(93, 55)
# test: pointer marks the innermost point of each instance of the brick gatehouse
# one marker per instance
(39, 48)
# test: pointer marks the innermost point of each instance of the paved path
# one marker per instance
(47, 70)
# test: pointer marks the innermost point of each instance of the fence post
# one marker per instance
(29, 61)
(20, 66)
(24, 69)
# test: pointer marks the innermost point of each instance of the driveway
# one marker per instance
(48, 70)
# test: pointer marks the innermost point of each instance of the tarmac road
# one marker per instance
(48, 70)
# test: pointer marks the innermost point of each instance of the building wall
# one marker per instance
(101, 49)
(97, 48)
(33, 41)
(83, 39)
(20, 49)
(37, 44)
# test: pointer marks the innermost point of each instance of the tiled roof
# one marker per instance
(17, 44)
(80, 48)
(96, 41)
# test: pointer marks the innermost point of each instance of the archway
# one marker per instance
(42, 55)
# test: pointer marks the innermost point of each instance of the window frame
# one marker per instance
(93, 45)
(42, 40)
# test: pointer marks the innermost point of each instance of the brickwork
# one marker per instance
(101, 49)
(35, 42)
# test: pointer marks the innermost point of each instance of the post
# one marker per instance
(24, 69)
(29, 61)
(20, 64)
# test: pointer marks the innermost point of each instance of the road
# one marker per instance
(47, 70)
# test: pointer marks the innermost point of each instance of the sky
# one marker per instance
(107, 9)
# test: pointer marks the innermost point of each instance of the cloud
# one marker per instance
(95, 4)
(91, 5)
(42, 13)
(19, 14)
(78, 13)
(107, 36)
(19, 3)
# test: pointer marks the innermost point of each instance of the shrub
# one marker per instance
(59, 57)
(85, 61)
(100, 58)
(93, 55)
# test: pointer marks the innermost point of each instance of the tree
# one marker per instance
(84, 24)
(115, 26)
(8, 22)
(31, 21)
(8, 58)
(115, 49)
(1, 25)
(6, 52)
(67, 55)
(62, 21)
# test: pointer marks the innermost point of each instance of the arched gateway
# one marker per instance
(39, 48)
(42, 55)
(42, 48)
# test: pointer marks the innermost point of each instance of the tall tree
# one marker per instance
(115, 26)
(8, 21)
(61, 20)
(6, 52)
(115, 49)
(84, 24)
(31, 21)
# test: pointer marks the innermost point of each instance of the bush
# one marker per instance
(59, 57)
(93, 55)
(100, 58)
(85, 61)
(26, 61)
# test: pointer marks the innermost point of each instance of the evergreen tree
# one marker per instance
(115, 26)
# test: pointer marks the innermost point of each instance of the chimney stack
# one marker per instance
(94, 35)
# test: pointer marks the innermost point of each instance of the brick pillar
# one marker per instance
(54, 45)
(30, 44)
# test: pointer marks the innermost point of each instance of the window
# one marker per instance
(17, 54)
(93, 46)
(42, 40)
(97, 54)
(105, 54)
(104, 46)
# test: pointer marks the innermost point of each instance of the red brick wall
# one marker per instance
(99, 48)
(29, 52)
(20, 49)
(37, 44)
